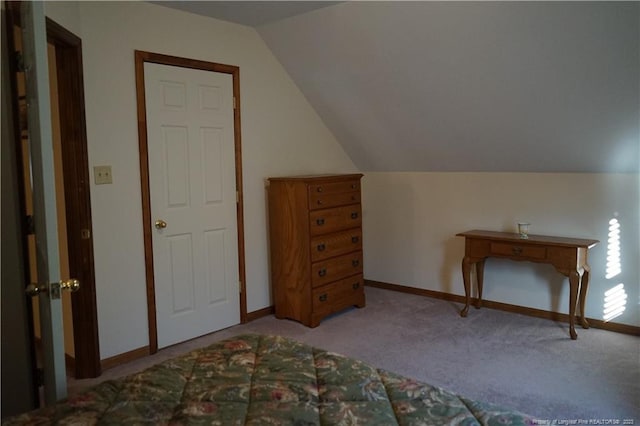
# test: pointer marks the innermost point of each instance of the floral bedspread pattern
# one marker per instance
(268, 380)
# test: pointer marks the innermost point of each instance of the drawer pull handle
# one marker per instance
(354, 186)
(323, 297)
(319, 189)
(355, 262)
(320, 222)
(321, 247)
(322, 272)
(354, 215)
(319, 202)
(517, 250)
(356, 286)
(355, 239)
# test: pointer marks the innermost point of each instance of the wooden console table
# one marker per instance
(567, 255)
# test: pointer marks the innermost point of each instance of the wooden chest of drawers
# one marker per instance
(315, 227)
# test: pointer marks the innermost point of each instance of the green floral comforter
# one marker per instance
(268, 380)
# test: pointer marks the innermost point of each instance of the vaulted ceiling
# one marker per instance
(246, 12)
(467, 86)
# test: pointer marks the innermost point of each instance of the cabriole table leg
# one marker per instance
(466, 277)
(480, 279)
(574, 282)
(584, 288)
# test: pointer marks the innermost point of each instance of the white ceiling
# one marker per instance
(465, 86)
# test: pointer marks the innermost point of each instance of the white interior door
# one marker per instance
(34, 53)
(191, 152)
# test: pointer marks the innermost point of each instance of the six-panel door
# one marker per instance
(193, 201)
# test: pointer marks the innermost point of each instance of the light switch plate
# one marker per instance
(102, 175)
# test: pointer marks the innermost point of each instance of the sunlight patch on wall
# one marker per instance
(615, 302)
(615, 299)
(613, 249)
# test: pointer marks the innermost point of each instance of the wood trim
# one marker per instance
(264, 312)
(146, 201)
(77, 197)
(239, 187)
(125, 357)
(158, 58)
(140, 58)
(69, 362)
(538, 313)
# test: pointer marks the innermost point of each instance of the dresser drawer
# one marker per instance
(352, 185)
(519, 250)
(333, 269)
(331, 245)
(325, 195)
(338, 295)
(335, 219)
(323, 201)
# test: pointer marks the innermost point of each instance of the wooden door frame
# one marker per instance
(75, 165)
(75, 162)
(140, 58)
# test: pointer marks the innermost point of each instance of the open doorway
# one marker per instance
(25, 155)
(72, 186)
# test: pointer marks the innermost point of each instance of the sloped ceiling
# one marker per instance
(471, 86)
(251, 13)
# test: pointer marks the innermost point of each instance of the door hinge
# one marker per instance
(31, 226)
(240, 287)
(237, 196)
(234, 103)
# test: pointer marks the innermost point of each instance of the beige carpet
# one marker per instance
(525, 363)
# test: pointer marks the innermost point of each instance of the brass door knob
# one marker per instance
(160, 224)
(53, 289)
(34, 289)
(72, 285)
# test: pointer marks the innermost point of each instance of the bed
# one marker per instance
(268, 380)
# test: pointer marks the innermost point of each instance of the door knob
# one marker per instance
(71, 285)
(53, 289)
(34, 289)
(160, 224)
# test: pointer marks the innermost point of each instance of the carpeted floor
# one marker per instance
(525, 363)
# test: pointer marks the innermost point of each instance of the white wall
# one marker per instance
(410, 221)
(281, 135)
